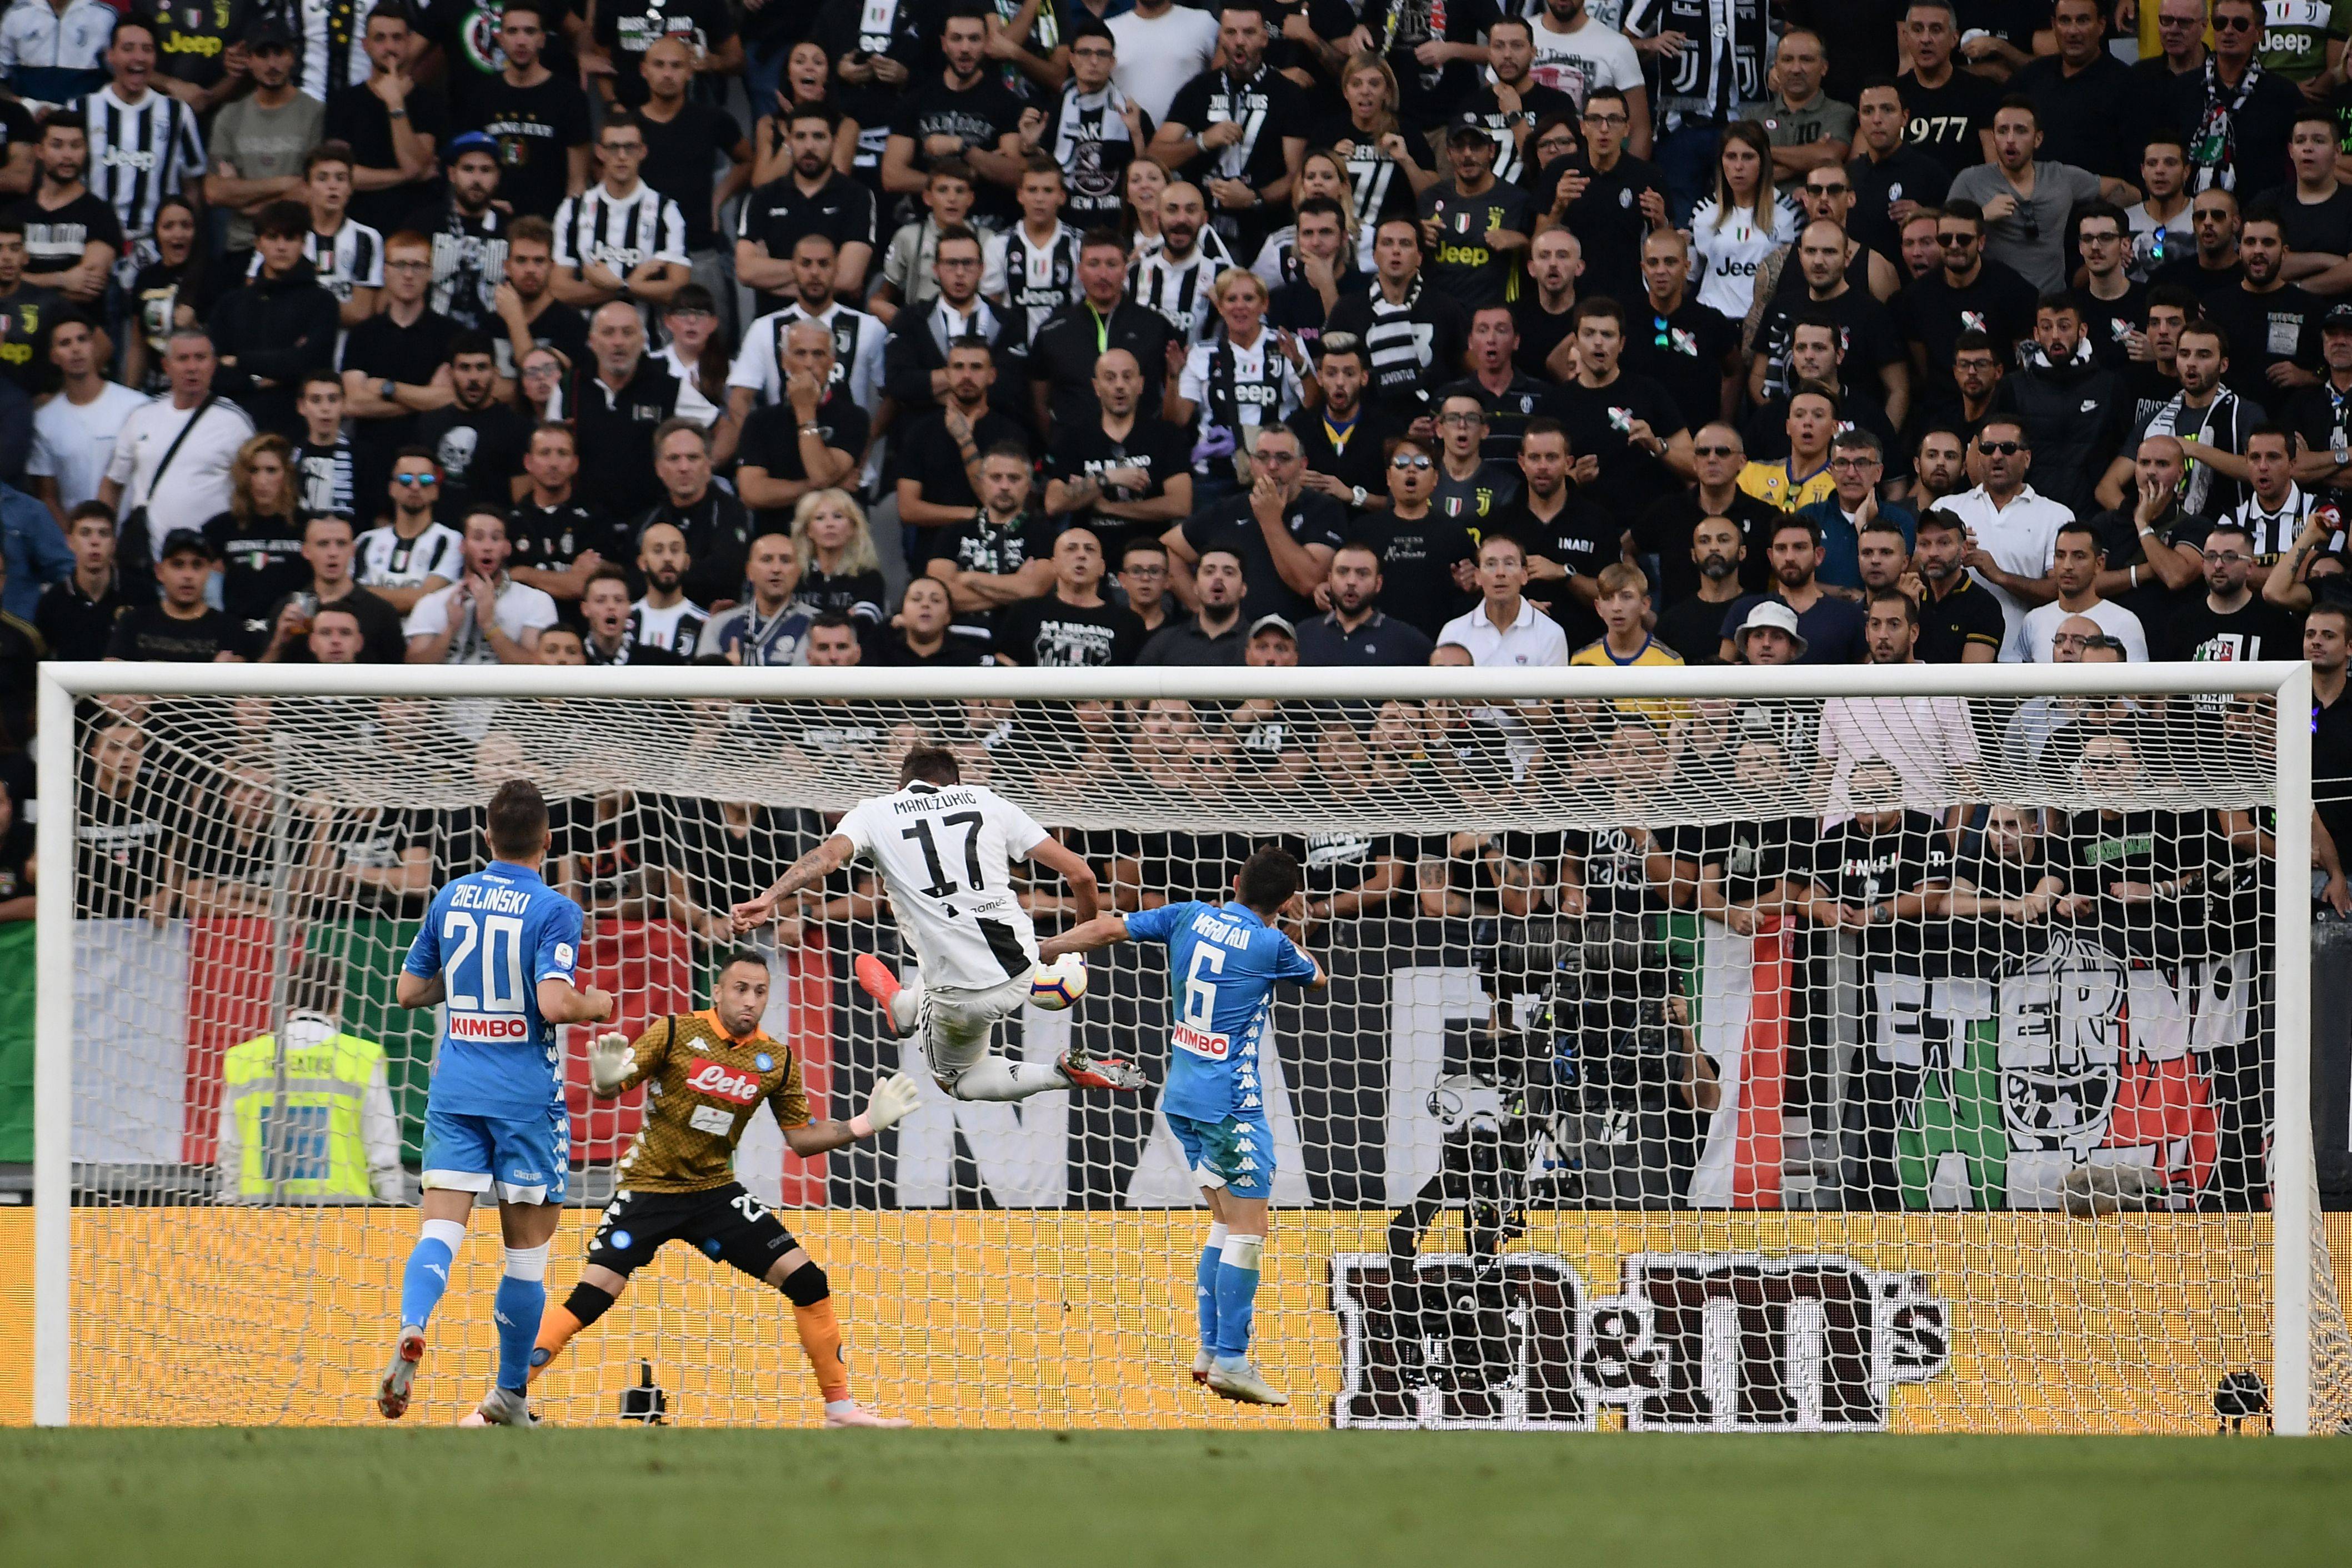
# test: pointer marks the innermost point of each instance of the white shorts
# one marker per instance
(955, 1027)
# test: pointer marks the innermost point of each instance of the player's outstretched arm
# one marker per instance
(807, 872)
(1084, 937)
(895, 1099)
(560, 1002)
(1054, 855)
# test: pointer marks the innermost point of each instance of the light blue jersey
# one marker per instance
(1222, 963)
(493, 936)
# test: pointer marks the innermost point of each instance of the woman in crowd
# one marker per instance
(258, 541)
(697, 354)
(1321, 173)
(807, 74)
(1388, 165)
(1242, 378)
(175, 290)
(1736, 231)
(839, 571)
(1145, 182)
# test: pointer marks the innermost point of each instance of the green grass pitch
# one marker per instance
(416, 1498)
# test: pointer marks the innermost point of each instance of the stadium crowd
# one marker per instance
(947, 332)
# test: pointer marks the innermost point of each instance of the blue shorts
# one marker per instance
(1235, 1152)
(528, 1157)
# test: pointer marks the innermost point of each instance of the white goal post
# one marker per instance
(2272, 771)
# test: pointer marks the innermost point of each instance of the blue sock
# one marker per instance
(1237, 1271)
(426, 1277)
(1205, 1286)
(519, 1306)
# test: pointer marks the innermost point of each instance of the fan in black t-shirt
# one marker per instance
(2005, 892)
(1348, 871)
(2142, 873)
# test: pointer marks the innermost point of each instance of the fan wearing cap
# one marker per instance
(2322, 415)
(179, 628)
(1475, 225)
(468, 234)
(1832, 626)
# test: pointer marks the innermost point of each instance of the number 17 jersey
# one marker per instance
(1222, 963)
(945, 852)
(492, 937)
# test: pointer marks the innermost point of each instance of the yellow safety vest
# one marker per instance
(318, 1145)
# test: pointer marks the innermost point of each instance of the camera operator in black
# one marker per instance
(1617, 1024)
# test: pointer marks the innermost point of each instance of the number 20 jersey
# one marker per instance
(1222, 963)
(945, 852)
(493, 936)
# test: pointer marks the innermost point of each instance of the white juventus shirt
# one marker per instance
(945, 854)
(623, 233)
(858, 340)
(140, 153)
(2271, 534)
(353, 257)
(384, 560)
(1179, 289)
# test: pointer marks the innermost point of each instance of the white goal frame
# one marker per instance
(61, 685)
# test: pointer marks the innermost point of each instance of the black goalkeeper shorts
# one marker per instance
(723, 1222)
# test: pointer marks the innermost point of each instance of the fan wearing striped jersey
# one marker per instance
(944, 850)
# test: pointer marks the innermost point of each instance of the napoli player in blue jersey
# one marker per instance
(499, 950)
(1224, 961)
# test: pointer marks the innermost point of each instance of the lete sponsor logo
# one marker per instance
(1733, 1342)
(721, 1081)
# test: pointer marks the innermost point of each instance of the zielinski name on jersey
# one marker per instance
(1727, 1340)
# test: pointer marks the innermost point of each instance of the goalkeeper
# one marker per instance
(709, 1074)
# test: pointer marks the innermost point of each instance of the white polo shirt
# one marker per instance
(2023, 536)
(1533, 639)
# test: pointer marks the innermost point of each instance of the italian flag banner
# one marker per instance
(1742, 1007)
(161, 1007)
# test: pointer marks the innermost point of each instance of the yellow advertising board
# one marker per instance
(1748, 1322)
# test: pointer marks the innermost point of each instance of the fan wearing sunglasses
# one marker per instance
(403, 560)
(1425, 557)
(2013, 533)
(2026, 197)
(2237, 115)
(1967, 294)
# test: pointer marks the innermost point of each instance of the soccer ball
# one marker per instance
(1058, 985)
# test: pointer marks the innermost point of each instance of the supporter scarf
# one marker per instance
(2213, 150)
(2177, 419)
(1089, 117)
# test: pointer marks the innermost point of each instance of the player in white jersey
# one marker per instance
(945, 850)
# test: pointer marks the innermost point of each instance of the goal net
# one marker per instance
(1755, 1050)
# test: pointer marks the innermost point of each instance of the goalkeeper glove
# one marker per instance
(608, 1061)
(895, 1099)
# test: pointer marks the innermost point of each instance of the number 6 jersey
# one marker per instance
(945, 854)
(1222, 963)
(492, 937)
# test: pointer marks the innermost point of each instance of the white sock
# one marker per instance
(839, 1406)
(528, 1262)
(907, 1004)
(996, 1078)
(1217, 1234)
(1244, 1252)
(450, 1233)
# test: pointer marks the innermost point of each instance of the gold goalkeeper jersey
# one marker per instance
(703, 1087)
